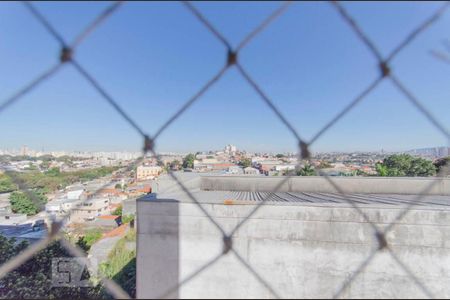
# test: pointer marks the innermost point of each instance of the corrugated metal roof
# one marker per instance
(291, 198)
(169, 189)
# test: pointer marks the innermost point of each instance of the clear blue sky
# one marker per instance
(153, 56)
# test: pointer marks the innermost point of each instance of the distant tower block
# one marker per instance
(24, 150)
(230, 149)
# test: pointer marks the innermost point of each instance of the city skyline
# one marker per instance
(151, 70)
(27, 151)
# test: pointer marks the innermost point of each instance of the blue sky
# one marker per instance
(152, 57)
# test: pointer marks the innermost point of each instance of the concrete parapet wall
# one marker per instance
(355, 185)
(165, 184)
(302, 251)
(129, 207)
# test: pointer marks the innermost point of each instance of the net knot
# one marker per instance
(231, 58)
(66, 54)
(227, 244)
(148, 144)
(304, 150)
(382, 243)
(385, 69)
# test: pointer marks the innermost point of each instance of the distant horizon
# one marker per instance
(18, 149)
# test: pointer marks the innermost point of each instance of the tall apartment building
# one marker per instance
(230, 149)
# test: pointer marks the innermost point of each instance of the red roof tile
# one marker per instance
(108, 217)
(117, 231)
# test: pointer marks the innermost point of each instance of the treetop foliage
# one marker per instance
(188, 161)
(405, 165)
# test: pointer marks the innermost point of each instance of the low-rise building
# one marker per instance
(139, 190)
(251, 171)
(108, 221)
(115, 195)
(78, 194)
(61, 206)
(90, 209)
(200, 167)
(147, 172)
(222, 166)
(285, 167)
(235, 170)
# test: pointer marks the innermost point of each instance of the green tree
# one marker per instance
(307, 170)
(324, 165)
(118, 186)
(127, 218)
(405, 165)
(381, 169)
(360, 173)
(6, 184)
(27, 203)
(279, 155)
(188, 161)
(40, 184)
(441, 163)
(117, 211)
(245, 162)
(53, 179)
(90, 238)
(53, 172)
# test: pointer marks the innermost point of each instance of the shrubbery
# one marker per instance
(121, 264)
(29, 203)
(405, 165)
(90, 237)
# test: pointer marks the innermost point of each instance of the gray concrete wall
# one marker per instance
(166, 184)
(129, 207)
(12, 218)
(303, 251)
(363, 185)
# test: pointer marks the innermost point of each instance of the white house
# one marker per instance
(90, 209)
(75, 194)
(251, 171)
(60, 206)
(235, 170)
(285, 167)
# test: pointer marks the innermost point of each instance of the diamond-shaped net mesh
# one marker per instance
(68, 58)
